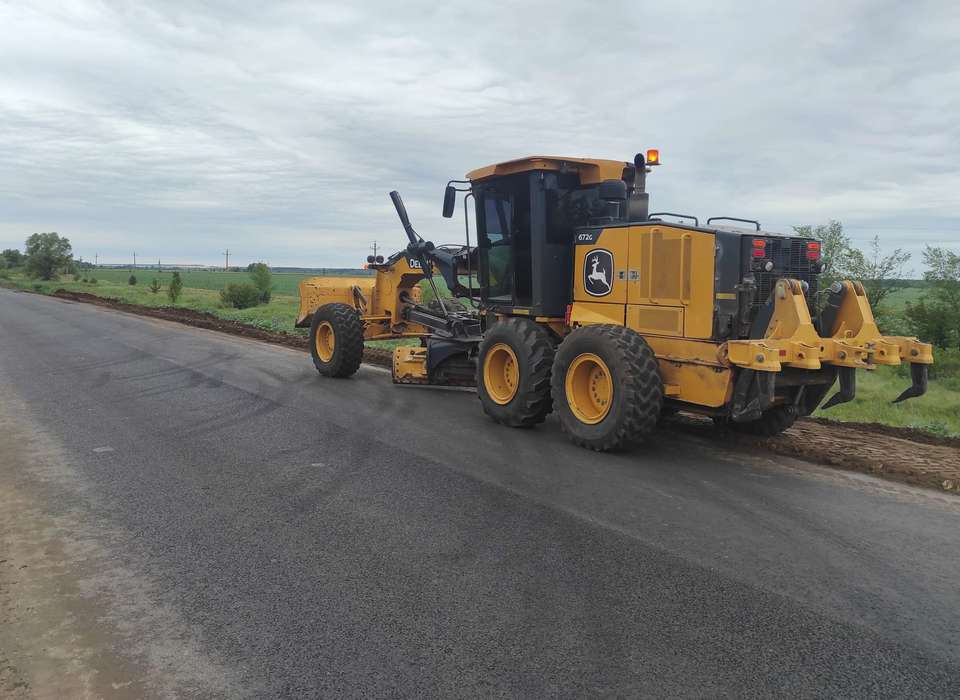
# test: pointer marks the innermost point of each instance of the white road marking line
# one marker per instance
(102, 449)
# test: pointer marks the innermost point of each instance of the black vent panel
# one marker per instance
(789, 257)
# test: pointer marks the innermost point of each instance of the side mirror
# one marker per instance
(449, 201)
(613, 191)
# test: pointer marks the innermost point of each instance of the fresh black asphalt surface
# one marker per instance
(329, 538)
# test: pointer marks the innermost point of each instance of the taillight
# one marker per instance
(813, 250)
(567, 314)
(759, 247)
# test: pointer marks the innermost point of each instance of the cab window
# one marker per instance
(504, 238)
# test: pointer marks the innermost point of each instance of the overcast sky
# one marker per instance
(179, 129)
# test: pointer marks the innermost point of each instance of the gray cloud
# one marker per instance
(277, 129)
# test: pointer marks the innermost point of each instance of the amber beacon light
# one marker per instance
(653, 156)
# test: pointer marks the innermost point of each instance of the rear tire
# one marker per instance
(513, 372)
(773, 422)
(607, 389)
(336, 340)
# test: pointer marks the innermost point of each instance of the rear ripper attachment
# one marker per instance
(791, 353)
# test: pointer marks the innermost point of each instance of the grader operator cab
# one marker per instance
(580, 300)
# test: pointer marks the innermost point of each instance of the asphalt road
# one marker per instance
(201, 516)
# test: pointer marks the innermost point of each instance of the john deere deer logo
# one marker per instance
(598, 272)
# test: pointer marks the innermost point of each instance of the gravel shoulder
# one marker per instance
(76, 620)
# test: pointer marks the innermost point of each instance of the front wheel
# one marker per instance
(513, 372)
(336, 340)
(606, 387)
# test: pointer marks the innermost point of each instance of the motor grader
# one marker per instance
(577, 299)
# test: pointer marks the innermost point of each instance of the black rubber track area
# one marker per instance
(637, 387)
(348, 340)
(534, 348)
(773, 422)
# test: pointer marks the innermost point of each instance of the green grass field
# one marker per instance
(280, 314)
(938, 412)
(201, 292)
(284, 283)
(897, 300)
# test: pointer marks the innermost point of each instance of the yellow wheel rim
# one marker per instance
(501, 373)
(325, 341)
(589, 388)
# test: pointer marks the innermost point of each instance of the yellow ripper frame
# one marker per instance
(854, 340)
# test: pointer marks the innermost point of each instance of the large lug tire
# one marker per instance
(336, 340)
(513, 372)
(607, 389)
(773, 422)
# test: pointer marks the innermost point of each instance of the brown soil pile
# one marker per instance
(876, 449)
(902, 454)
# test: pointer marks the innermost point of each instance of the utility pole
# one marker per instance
(226, 260)
(374, 249)
(158, 265)
(134, 260)
(96, 260)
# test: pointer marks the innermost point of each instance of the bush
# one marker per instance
(155, 286)
(38, 287)
(262, 280)
(132, 280)
(76, 277)
(240, 295)
(891, 322)
(12, 257)
(175, 288)
(936, 316)
(935, 322)
(92, 280)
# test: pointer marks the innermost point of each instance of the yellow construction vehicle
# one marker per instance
(581, 301)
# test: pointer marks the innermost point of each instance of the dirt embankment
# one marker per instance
(901, 454)
(926, 460)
